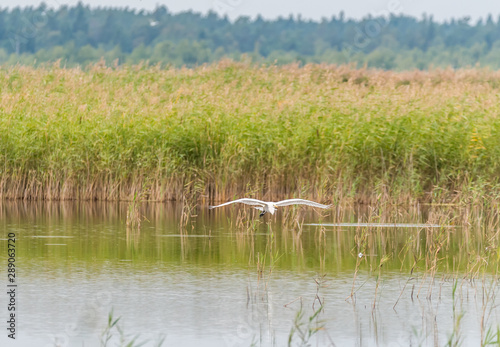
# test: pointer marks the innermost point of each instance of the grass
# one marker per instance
(304, 329)
(113, 332)
(232, 129)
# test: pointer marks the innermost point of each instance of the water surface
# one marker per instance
(379, 276)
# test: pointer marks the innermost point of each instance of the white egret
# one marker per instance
(269, 206)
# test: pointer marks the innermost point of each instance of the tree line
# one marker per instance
(80, 35)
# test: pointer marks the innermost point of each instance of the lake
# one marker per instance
(350, 276)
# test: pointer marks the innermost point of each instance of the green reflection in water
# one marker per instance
(233, 262)
(450, 240)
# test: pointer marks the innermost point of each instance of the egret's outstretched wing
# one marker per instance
(300, 202)
(243, 201)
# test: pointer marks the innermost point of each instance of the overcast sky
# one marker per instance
(313, 9)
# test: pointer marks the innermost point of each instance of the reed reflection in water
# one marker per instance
(352, 276)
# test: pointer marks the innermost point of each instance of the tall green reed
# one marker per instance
(232, 129)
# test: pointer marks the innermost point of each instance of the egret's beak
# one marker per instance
(276, 207)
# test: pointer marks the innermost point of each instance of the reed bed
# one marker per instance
(230, 129)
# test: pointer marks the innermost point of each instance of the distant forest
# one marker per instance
(80, 35)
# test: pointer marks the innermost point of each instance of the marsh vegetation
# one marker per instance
(410, 161)
(231, 129)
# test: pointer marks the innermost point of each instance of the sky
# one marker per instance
(441, 10)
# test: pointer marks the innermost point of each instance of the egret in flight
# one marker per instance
(269, 206)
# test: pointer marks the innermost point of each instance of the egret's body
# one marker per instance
(269, 206)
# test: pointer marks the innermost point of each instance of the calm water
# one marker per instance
(418, 276)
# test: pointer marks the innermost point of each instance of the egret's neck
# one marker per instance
(271, 208)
